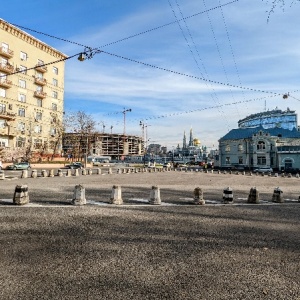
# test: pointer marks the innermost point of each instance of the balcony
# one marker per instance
(6, 52)
(41, 68)
(40, 81)
(7, 115)
(5, 83)
(7, 68)
(40, 94)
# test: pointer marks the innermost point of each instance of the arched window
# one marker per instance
(240, 147)
(261, 145)
(227, 148)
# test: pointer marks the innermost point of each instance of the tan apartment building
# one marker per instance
(31, 94)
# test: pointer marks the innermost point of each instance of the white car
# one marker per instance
(263, 170)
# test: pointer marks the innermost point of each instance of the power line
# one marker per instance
(195, 59)
(131, 36)
(188, 75)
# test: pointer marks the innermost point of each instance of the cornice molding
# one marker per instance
(30, 39)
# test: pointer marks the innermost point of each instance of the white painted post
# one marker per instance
(116, 195)
(79, 195)
(155, 196)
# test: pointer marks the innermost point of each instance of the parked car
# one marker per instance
(263, 170)
(19, 166)
(166, 165)
(75, 165)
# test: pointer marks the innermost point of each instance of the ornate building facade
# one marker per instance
(31, 93)
(268, 139)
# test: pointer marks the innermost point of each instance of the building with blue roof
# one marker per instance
(263, 144)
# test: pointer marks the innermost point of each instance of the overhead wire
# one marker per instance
(213, 95)
(219, 52)
(131, 36)
(231, 50)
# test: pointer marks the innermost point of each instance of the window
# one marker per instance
(261, 160)
(38, 115)
(54, 82)
(240, 147)
(22, 83)
(227, 148)
(20, 142)
(2, 124)
(240, 160)
(55, 70)
(23, 55)
(261, 145)
(39, 89)
(54, 94)
(21, 126)
(2, 92)
(3, 142)
(23, 69)
(5, 47)
(38, 143)
(2, 108)
(227, 160)
(40, 62)
(38, 129)
(54, 106)
(53, 131)
(39, 75)
(22, 98)
(21, 112)
(39, 102)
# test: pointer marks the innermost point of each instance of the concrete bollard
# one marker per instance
(83, 171)
(109, 171)
(51, 173)
(135, 170)
(98, 171)
(76, 172)
(60, 173)
(253, 196)
(276, 174)
(155, 196)
(34, 174)
(224, 172)
(198, 196)
(250, 173)
(128, 171)
(244, 173)
(2, 175)
(283, 174)
(21, 195)
(269, 174)
(116, 195)
(277, 195)
(119, 171)
(24, 174)
(297, 175)
(237, 173)
(69, 173)
(228, 195)
(219, 172)
(79, 195)
(44, 173)
(290, 175)
(256, 173)
(89, 171)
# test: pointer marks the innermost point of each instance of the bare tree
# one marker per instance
(278, 4)
(79, 133)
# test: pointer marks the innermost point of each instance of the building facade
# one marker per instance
(31, 93)
(276, 145)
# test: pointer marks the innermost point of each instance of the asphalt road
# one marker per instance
(175, 251)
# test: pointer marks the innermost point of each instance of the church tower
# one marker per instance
(191, 142)
(184, 141)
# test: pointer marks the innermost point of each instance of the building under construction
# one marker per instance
(116, 146)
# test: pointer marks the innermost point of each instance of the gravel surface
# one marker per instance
(53, 250)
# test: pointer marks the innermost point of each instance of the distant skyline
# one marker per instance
(176, 64)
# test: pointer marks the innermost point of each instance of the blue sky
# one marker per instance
(247, 62)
